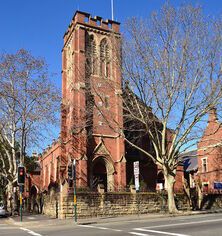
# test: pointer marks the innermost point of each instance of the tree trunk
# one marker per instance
(199, 196)
(9, 194)
(12, 198)
(169, 184)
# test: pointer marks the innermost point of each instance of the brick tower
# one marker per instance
(91, 102)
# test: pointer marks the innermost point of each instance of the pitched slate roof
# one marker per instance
(190, 161)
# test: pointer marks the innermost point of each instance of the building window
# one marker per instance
(91, 57)
(204, 164)
(106, 102)
(104, 59)
(69, 63)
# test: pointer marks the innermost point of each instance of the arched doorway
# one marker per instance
(102, 173)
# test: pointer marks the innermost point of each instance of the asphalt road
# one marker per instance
(198, 225)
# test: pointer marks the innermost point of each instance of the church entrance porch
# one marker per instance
(102, 173)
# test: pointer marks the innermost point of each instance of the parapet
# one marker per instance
(97, 22)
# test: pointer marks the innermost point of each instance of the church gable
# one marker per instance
(101, 150)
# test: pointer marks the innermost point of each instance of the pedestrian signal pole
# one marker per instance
(21, 182)
(74, 190)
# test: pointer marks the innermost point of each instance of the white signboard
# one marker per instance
(159, 186)
(136, 171)
(137, 182)
(136, 168)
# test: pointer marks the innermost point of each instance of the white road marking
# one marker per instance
(8, 227)
(185, 223)
(30, 232)
(159, 232)
(139, 234)
(98, 227)
(91, 226)
(31, 218)
(117, 230)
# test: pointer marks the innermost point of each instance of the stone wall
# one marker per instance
(51, 205)
(92, 204)
(212, 202)
(115, 204)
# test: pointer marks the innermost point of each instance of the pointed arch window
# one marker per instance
(69, 63)
(91, 57)
(104, 58)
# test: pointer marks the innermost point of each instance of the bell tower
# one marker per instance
(92, 116)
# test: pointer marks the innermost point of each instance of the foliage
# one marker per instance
(30, 163)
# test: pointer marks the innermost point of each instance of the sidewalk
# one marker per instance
(43, 220)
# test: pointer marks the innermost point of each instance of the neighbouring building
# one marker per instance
(190, 165)
(209, 154)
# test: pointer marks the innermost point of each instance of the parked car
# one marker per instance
(3, 212)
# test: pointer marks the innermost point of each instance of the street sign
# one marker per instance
(218, 185)
(137, 182)
(136, 168)
(159, 186)
(136, 171)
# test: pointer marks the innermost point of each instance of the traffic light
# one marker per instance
(70, 171)
(21, 175)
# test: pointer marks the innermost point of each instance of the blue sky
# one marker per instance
(39, 25)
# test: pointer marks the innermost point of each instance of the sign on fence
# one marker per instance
(136, 168)
(136, 171)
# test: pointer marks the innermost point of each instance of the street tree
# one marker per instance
(172, 68)
(29, 102)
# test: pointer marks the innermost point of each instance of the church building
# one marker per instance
(92, 115)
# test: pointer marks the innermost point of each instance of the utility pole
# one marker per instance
(21, 182)
(72, 178)
(74, 190)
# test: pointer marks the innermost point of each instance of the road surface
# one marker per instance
(195, 225)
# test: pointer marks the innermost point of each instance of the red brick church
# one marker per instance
(91, 83)
(92, 114)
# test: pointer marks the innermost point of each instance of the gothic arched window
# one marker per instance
(91, 62)
(104, 58)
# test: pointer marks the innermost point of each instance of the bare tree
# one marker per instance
(29, 102)
(172, 67)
